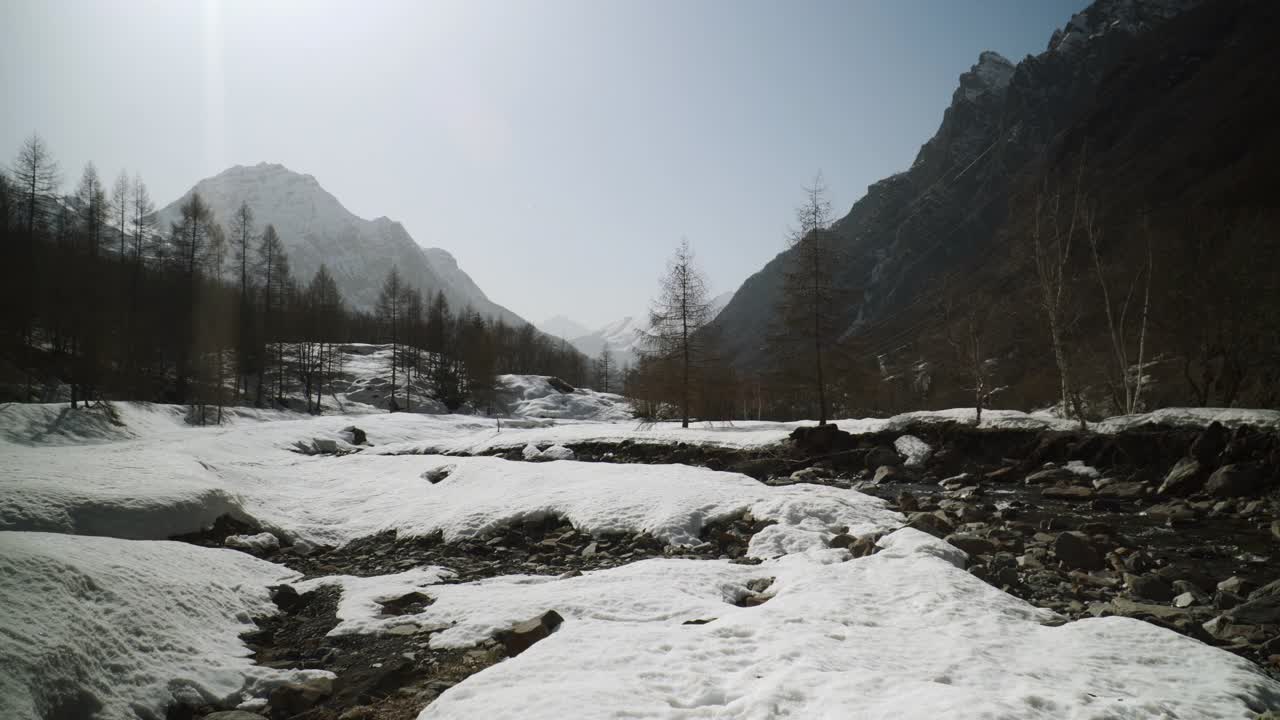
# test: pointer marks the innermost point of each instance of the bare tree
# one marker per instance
(242, 239)
(805, 326)
(390, 313)
(969, 327)
(1052, 245)
(120, 210)
(604, 366)
(1126, 382)
(676, 317)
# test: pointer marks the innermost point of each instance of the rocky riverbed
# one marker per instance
(1175, 527)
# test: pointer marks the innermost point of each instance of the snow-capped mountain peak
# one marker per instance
(316, 228)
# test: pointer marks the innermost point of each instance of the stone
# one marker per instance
(435, 475)
(1271, 589)
(808, 475)
(590, 550)
(865, 545)
(971, 544)
(1070, 493)
(1123, 490)
(842, 540)
(1210, 443)
(324, 446)
(559, 385)
(1262, 611)
(1235, 480)
(1149, 587)
(523, 635)
(1186, 599)
(907, 502)
(1223, 600)
(355, 435)
(1184, 478)
(1236, 585)
(234, 715)
(820, 439)
(1129, 608)
(295, 698)
(1075, 551)
(886, 473)
(1173, 513)
(932, 523)
(1275, 530)
(1049, 475)
(882, 455)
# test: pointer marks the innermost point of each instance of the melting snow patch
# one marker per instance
(97, 627)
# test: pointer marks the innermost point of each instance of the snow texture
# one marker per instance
(122, 627)
(915, 450)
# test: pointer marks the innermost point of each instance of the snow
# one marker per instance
(901, 634)
(128, 623)
(533, 396)
(260, 542)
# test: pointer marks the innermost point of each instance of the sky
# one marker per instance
(560, 149)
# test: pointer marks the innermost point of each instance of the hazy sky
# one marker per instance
(559, 149)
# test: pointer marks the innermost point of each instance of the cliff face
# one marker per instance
(922, 228)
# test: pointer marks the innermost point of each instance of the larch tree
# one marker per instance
(604, 366)
(242, 247)
(676, 316)
(120, 210)
(390, 314)
(273, 276)
(805, 327)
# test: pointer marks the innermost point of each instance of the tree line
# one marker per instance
(99, 303)
(1093, 310)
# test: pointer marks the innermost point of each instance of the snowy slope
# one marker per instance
(316, 228)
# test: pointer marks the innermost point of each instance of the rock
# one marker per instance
(1049, 475)
(435, 475)
(296, 698)
(1271, 589)
(1149, 587)
(932, 523)
(760, 469)
(1123, 490)
(1139, 562)
(1209, 444)
(1185, 600)
(589, 550)
(842, 540)
(559, 385)
(1275, 530)
(882, 455)
(1223, 600)
(971, 544)
(808, 475)
(286, 598)
(1184, 478)
(1235, 480)
(556, 452)
(531, 452)
(355, 435)
(865, 545)
(1236, 585)
(324, 446)
(1129, 608)
(1262, 611)
(886, 473)
(820, 439)
(1076, 551)
(1070, 493)
(1174, 513)
(907, 502)
(915, 450)
(234, 715)
(523, 635)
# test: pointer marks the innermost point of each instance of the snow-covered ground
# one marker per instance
(130, 621)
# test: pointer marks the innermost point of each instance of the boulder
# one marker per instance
(820, 439)
(1209, 444)
(915, 450)
(886, 473)
(808, 475)
(1184, 478)
(932, 523)
(1260, 611)
(1235, 480)
(435, 475)
(559, 385)
(523, 635)
(865, 545)
(842, 540)
(355, 435)
(295, 698)
(1075, 551)
(971, 544)
(1070, 493)
(556, 452)
(907, 502)
(1050, 475)
(882, 455)
(1271, 589)
(1150, 587)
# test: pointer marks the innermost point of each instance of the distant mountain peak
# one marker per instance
(317, 229)
(991, 74)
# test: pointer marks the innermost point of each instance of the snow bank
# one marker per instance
(534, 396)
(901, 634)
(122, 627)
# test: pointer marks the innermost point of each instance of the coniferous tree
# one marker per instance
(677, 315)
(390, 313)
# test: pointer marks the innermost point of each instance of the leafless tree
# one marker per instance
(604, 366)
(1052, 239)
(1126, 381)
(390, 312)
(675, 319)
(805, 330)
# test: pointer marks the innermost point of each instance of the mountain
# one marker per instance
(563, 327)
(915, 231)
(315, 228)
